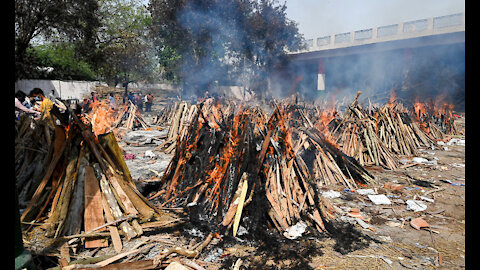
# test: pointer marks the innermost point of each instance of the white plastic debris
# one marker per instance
(296, 230)
(331, 194)
(458, 165)
(366, 191)
(456, 141)
(426, 199)
(149, 154)
(363, 223)
(419, 160)
(425, 161)
(191, 204)
(379, 199)
(385, 238)
(416, 206)
(241, 230)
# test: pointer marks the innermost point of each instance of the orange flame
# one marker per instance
(393, 98)
(103, 117)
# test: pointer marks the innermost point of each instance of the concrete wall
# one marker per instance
(64, 89)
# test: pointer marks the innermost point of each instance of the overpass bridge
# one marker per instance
(378, 58)
(439, 30)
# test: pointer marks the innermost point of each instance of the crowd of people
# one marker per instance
(139, 101)
(38, 105)
(35, 103)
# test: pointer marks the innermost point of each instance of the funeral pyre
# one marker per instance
(83, 189)
(236, 164)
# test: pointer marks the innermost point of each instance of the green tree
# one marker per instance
(204, 42)
(123, 50)
(62, 61)
(66, 20)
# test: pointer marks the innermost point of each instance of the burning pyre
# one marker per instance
(235, 162)
(86, 187)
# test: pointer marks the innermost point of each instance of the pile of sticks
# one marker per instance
(398, 131)
(33, 152)
(179, 118)
(436, 121)
(128, 119)
(235, 162)
(165, 115)
(356, 135)
(86, 192)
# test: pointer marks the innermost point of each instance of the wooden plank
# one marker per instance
(238, 213)
(93, 215)
(117, 242)
(35, 198)
(114, 207)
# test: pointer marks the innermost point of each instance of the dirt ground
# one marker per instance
(389, 243)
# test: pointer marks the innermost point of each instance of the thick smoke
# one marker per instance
(413, 74)
(210, 31)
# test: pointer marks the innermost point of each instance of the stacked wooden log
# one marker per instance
(398, 131)
(33, 152)
(435, 120)
(86, 192)
(234, 162)
(178, 120)
(356, 135)
(128, 119)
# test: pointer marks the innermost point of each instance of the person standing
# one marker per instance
(130, 97)
(86, 105)
(148, 102)
(45, 106)
(139, 101)
(94, 97)
(112, 101)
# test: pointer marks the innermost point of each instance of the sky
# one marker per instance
(317, 18)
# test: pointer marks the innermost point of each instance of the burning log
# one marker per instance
(85, 185)
(234, 162)
(435, 118)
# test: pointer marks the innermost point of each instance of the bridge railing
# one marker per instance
(416, 28)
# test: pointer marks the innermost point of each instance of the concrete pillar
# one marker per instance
(321, 75)
(430, 24)
(400, 29)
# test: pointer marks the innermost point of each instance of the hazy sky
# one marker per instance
(318, 18)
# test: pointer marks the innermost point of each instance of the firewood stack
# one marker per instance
(165, 115)
(128, 119)
(356, 135)
(443, 118)
(436, 120)
(86, 192)
(234, 162)
(33, 152)
(398, 130)
(180, 119)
